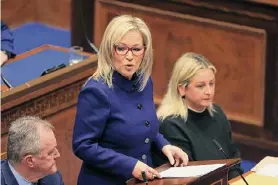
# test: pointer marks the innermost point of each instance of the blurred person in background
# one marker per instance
(7, 43)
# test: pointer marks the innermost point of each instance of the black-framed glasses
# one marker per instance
(123, 49)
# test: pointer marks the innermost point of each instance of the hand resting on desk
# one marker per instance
(140, 167)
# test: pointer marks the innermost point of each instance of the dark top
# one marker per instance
(195, 136)
(7, 177)
(114, 128)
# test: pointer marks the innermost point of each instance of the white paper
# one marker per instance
(269, 170)
(265, 161)
(190, 171)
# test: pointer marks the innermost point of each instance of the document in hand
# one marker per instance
(189, 171)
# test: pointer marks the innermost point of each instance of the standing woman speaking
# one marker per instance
(116, 120)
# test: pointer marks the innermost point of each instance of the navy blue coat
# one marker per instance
(114, 128)
(7, 40)
(7, 177)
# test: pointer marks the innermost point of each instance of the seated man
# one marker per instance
(31, 154)
(7, 44)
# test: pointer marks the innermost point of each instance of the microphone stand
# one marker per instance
(221, 150)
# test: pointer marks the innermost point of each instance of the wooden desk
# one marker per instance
(216, 177)
(239, 178)
(3, 87)
(34, 51)
(253, 178)
(52, 97)
(257, 178)
(3, 155)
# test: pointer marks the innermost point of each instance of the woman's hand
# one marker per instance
(3, 57)
(150, 172)
(175, 155)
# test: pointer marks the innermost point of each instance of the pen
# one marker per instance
(143, 173)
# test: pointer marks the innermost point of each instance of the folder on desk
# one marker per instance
(255, 179)
(32, 67)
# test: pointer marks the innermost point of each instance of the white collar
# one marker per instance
(198, 111)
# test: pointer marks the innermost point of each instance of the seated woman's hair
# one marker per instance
(186, 67)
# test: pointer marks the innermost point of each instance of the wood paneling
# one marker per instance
(3, 155)
(17, 12)
(238, 52)
(68, 163)
(267, 2)
(55, 12)
(51, 12)
(52, 97)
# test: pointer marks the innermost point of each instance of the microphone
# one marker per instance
(219, 147)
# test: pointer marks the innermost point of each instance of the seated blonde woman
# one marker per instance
(189, 119)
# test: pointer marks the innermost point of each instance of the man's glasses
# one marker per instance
(123, 50)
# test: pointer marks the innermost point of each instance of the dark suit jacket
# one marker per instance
(7, 177)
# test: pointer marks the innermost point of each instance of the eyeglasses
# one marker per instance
(123, 50)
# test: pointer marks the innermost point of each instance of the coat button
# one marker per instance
(147, 140)
(147, 123)
(144, 157)
(139, 106)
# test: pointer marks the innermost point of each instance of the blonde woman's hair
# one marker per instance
(114, 32)
(186, 67)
